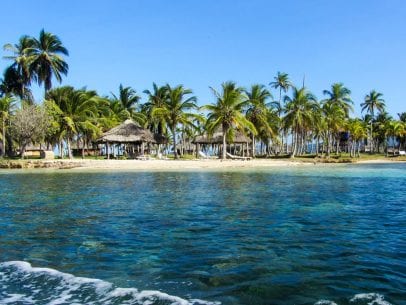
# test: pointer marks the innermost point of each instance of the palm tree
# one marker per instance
(45, 59)
(157, 98)
(340, 96)
(373, 101)
(358, 131)
(18, 76)
(174, 110)
(334, 116)
(257, 112)
(77, 113)
(7, 106)
(394, 129)
(281, 82)
(226, 112)
(128, 98)
(299, 113)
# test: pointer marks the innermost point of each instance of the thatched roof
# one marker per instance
(128, 132)
(217, 138)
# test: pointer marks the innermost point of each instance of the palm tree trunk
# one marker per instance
(69, 148)
(174, 143)
(61, 149)
(225, 144)
(3, 149)
(371, 146)
(253, 145)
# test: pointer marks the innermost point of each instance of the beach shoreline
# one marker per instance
(174, 164)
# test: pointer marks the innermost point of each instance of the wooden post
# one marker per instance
(107, 150)
(197, 150)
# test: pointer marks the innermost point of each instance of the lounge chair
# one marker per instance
(233, 157)
(203, 155)
(402, 153)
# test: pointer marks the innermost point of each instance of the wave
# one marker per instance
(20, 283)
(360, 299)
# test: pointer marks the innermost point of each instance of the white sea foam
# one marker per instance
(371, 298)
(360, 299)
(23, 283)
(325, 302)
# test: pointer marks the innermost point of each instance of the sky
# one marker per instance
(361, 43)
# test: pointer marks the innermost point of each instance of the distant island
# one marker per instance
(240, 123)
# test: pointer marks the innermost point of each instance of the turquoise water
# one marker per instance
(308, 235)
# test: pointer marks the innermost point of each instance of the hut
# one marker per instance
(132, 136)
(239, 144)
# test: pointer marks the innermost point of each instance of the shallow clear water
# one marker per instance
(289, 235)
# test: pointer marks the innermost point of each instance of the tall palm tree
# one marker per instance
(174, 111)
(7, 106)
(281, 82)
(341, 96)
(299, 113)
(45, 59)
(227, 112)
(373, 101)
(257, 112)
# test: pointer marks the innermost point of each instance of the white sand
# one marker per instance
(182, 164)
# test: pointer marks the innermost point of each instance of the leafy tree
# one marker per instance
(7, 107)
(29, 125)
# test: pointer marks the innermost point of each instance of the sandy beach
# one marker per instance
(169, 165)
(196, 164)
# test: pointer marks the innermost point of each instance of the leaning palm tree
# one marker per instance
(175, 110)
(227, 112)
(7, 106)
(257, 112)
(373, 101)
(45, 59)
(340, 96)
(299, 114)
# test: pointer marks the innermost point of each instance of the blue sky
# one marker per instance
(199, 44)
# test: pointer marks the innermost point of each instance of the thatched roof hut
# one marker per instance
(130, 132)
(217, 138)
